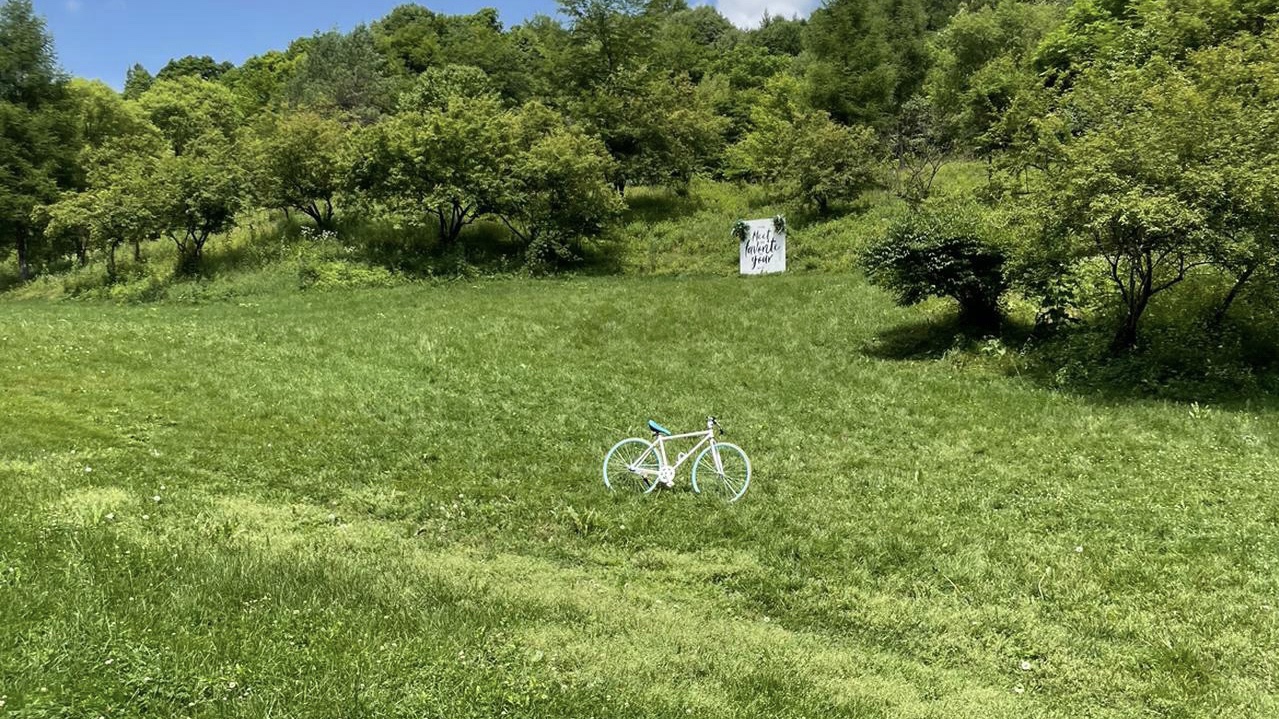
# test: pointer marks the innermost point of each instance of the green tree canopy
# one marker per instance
(299, 162)
(137, 81)
(198, 195)
(37, 128)
(344, 74)
(446, 166)
(559, 196)
(805, 152)
(188, 108)
(203, 67)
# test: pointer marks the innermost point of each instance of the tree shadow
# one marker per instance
(1232, 370)
(651, 205)
(9, 280)
(1218, 369)
(935, 338)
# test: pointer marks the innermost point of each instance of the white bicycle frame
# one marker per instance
(658, 447)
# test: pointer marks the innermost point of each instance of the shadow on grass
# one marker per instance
(1226, 369)
(1232, 370)
(932, 339)
(659, 204)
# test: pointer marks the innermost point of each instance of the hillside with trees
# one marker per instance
(1121, 156)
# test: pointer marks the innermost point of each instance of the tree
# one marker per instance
(409, 38)
(199, 193)
(982, 65)
(121, 203)
(919, 149)
(29, 73)
(137, 81)
(342, 74)
(558, 196)
(779, 35)
(299, 162)
(1238, 81)
(852, 74)
(446, 165)
(908, 24)
(805, 153)
(942, 250)
(259, 83)
(607, 37)
(37, 143)
(102, 114)
(203, 67)
(188, 108)
(687, 41)
(86, 215)
(414, 39)
(1127, 187)
(435, 87)
(657, 128)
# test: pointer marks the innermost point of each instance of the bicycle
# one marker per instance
(636, 464)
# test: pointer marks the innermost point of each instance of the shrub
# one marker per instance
(942, 250)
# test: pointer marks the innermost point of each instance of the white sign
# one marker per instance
(764, 249)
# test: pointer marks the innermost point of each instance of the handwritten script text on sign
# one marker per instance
(764, 250)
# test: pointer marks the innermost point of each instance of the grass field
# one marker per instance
(387, 503)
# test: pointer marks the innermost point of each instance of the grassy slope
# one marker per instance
(387, 503)
(662, 234)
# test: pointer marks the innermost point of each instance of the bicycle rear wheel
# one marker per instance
(722, 471)
(631, 466)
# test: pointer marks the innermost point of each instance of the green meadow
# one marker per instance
(388, 503)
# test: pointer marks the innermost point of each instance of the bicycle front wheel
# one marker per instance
(631, 466)
(722, 471)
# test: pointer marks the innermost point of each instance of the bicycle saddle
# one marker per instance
(658, 428)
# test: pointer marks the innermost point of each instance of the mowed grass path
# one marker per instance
(388, 504)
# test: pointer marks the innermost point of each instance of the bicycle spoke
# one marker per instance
(725, 476)
(630, 466)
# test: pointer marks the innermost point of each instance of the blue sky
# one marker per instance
(101, 39)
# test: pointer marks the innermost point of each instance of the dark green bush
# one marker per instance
(942, 250)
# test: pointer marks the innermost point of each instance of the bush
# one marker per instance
(942, 250)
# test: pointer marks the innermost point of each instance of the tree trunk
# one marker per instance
(81, 251)
(24, 261)
(980, 315)
(111, 275)
(1126, 337)
(445, 240)
(137, 251)
(190, 252)
(1219, 317)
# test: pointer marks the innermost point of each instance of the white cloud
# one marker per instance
(748, 13)
(73, 6)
